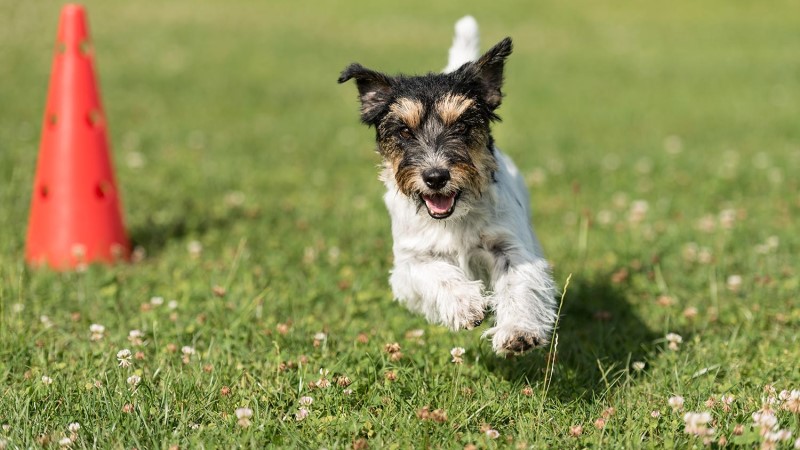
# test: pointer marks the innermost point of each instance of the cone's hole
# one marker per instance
(52, 119)
(44, 191)
(94, 118)
(85, 47)
(102, 190)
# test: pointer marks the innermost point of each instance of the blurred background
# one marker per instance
(639, 127)
(660, 141)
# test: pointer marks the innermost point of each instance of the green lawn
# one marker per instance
(661, 143)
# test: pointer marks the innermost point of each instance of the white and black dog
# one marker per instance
(463, 243)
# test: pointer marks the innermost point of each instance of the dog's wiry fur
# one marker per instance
(463, 243)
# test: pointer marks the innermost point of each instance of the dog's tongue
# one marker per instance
(439, 204)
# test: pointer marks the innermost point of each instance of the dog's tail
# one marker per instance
(465, 44)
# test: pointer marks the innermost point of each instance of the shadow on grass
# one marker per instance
(599, 335)
(188, 219)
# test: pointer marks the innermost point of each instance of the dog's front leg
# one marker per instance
(439, 290)
(523, 300)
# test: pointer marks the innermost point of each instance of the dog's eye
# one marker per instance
(459, 128)
(405, 133)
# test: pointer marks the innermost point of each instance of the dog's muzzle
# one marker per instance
(440, 205)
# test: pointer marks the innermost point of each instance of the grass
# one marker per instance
(661, 144)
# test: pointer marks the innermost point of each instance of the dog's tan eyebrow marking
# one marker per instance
(451, 106)
(409, 111)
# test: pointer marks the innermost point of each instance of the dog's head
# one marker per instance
(433, 130)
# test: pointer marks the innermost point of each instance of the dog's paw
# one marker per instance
(466, 308)
(473, 319)
(515, 341)
(465, 316)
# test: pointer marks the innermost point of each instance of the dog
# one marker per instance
(460, 211)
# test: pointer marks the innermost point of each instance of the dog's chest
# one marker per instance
(462, 243)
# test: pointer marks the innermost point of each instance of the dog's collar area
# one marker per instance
(440, 206)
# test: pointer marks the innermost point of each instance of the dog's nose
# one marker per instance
(436, 178)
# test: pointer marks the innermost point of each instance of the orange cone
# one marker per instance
(75, 212)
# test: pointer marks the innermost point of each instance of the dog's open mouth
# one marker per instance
(440, 206)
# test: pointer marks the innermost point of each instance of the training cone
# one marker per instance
(75, 211)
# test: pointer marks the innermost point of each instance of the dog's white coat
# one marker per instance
(485, 256)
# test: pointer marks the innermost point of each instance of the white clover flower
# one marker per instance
(674, 341)
(705, 256)
(676, 402)
(638, 211)
(727, 218)
(638, 366)
(734, 282)
(605, 217)
(173, 304)
(136, 337)
(46, 380)
(97, 330)
(124, 353)
(673, 337)
(134, 380)
(492, 433)
(696, 423)
(156, 301)
(456, 353)
(306, 401)
(792, 401)
(415, 333)
(74, 427)
(777, 436)
(65, 442)
(301, 414)
(773, 242)
(195, 248)
(765, 419)
(187, 350)
(797, 444)
(726, 400)
(244, 415)
(124, 357)
(46, 322)
(234, 198)
(320, 336)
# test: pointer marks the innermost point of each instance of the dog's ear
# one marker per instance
(374, 91)
(489, 70)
